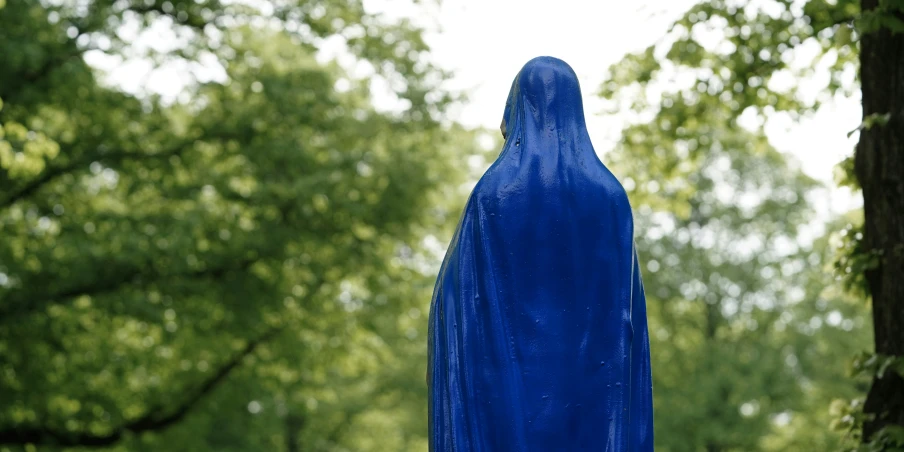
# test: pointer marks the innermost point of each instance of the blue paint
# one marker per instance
(538, 330)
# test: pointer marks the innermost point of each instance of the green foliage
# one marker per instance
(849, 420)
(844, 174)
(888, 439)
(852, 260)
(849, 416)
(872, 364)
(870, 121)
(749, 332)
(887, 15)
(246, 268)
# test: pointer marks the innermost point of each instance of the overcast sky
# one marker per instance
(485, 43)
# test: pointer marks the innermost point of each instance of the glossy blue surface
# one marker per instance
(538, 331)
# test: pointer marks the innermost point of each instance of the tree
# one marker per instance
(879, 167)
(749, 334)
(235, 270)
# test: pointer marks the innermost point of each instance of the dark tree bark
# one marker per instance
(294, 424)
(879, 165)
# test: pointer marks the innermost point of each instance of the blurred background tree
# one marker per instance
(239, 269)
(247, 266)
(745, 300)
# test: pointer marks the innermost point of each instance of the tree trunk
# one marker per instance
(879, 165)
(294, 424)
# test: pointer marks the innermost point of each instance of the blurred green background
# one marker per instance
(248, 266)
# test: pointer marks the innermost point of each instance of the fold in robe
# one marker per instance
(538, 333)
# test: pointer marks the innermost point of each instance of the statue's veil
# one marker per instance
(538, 334)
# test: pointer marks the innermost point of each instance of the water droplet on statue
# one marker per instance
(602, 363)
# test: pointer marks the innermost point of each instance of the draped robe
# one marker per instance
(538, 334)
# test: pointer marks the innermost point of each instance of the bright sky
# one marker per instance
(485, 43)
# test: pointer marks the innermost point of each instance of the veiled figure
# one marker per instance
(538, 332)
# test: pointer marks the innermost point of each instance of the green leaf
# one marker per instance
(893, 23)
(892, 5)
(869, 21)
(871, 120)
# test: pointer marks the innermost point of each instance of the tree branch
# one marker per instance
(155, 420)
(13, 308)
(54, 172)
(9, 92)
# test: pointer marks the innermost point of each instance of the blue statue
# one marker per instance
(538, 331)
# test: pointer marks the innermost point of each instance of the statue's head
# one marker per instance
(544, 94)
